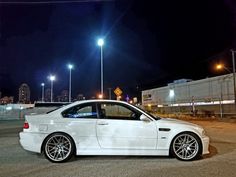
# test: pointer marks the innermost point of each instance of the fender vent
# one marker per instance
(164, 129)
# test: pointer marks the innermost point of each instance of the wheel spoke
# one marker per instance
(66, 148)
(52, 149)
(57, 155)
(193, 143)
(179, 150)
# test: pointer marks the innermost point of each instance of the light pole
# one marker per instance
(100, 43)
(52, 78)
(220, 66)
(42, 84)
(233, 62)
(109, 89)
(70, 67)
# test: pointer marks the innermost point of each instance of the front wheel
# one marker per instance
(186, 146)
(59, 147)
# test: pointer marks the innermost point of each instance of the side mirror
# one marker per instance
(144, 118)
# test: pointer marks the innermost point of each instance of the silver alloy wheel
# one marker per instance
(185, 146)
(58, 147)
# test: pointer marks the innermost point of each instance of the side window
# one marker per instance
(81, 111)
(118, 111)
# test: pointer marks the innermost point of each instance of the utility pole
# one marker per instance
(109, 89)
(233, 62)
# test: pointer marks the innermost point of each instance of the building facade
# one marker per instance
(213, 94)
(47, 96)
(6, 100)
(63, 97)
(24, 94)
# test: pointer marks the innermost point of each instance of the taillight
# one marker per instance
(26, 125)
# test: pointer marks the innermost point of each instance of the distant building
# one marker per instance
(6, 100)
(214, 95)
(47, 97)
(24, 94)
(63, 97)
(80, 97)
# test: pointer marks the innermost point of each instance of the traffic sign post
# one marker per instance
(118, 93)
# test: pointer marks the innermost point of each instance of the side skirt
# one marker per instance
(122, 152)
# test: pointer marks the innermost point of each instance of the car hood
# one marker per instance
(176, 122)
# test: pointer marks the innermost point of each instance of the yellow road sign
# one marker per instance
(118, 91)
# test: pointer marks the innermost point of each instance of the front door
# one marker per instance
(119, 127)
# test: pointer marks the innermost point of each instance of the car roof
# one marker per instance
(98, 100)
(87, 101)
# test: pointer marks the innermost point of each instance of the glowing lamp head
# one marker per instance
(100, 96)
(219, 66)
(100, 42)
(70, 66)
(52, 78)
(42, 84)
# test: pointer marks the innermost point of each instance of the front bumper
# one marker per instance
(31, 141)
(205, 145)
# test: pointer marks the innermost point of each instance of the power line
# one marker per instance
(52, 2)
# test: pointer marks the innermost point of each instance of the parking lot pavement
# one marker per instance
(221, 162)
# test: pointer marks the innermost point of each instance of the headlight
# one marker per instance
(201, 131)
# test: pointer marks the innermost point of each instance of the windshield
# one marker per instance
(148, 113)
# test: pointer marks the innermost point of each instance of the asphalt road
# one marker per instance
(221, 162)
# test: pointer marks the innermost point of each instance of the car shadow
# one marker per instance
(213, 151)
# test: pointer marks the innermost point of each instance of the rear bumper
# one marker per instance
(205, 145)
(31, 141)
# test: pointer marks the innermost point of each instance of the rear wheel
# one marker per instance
(59, 147)
(186, 146)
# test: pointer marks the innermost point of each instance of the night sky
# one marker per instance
(147, 43)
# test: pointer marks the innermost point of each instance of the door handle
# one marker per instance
(102, 123)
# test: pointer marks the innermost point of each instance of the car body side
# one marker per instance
(84, 134)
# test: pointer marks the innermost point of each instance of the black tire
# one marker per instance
(59, 147)
(186, 146)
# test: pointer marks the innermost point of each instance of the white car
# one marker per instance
(109, 127)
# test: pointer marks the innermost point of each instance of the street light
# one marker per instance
(100, 96)
(42, 84)
(100, 43)
(52, 78)
(70, 67)
(221, 66)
